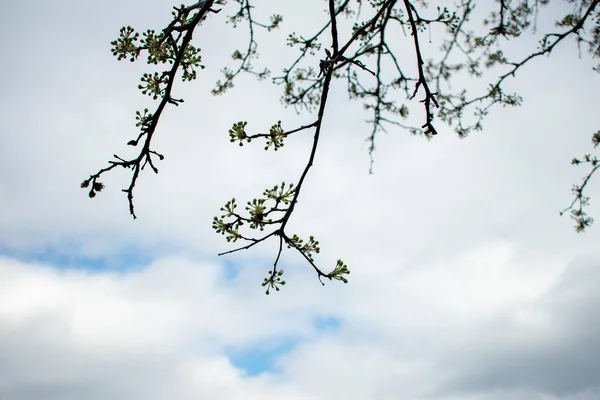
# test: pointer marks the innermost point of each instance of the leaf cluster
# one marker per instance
(272, 209)
(274, 138)
(580, 201)
(171, 48)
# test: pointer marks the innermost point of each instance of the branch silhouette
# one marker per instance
(367, 55)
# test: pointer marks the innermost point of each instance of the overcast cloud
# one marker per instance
(465, 283)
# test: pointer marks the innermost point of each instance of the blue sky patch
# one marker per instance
(324, 323)
(262, 356)
(129, 260)
(231, 268)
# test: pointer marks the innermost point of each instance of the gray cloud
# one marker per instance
(551, 346)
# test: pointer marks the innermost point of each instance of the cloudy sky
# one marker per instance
(465, 285)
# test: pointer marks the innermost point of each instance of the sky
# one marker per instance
(465, 283)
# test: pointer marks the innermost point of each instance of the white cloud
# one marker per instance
(168, 328)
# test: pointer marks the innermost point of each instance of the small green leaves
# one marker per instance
(230, 207)
(190, 61)
(230, 229)
(238, 133)
(340, 270)
(152, 84)
(276, 19)
(496, 57)
(159, 51)
(143, 119)
(580, 201)
(273, 281)
(276, 136)
(222, 86)
(280, 194)
(125, 46)
(308, 248)
(162, 49)
(258, 212)
(569, 20)
(582, 220)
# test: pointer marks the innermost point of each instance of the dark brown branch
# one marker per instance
(422, 81)
(495, 92)
(245, 64)
(145, 153)
(254, 243)
(286, 133)
(309, 260)
(334, 32)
